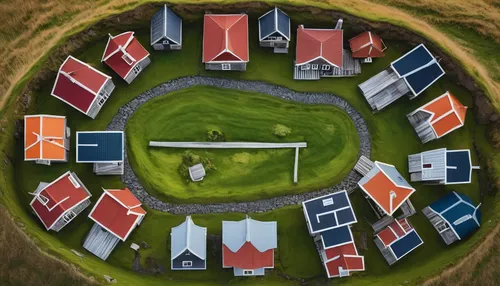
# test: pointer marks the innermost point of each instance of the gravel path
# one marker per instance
(129, 178)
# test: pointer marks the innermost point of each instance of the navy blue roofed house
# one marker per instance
(105, 149)
(329, 219)
(188, 246)
(397, 240)
(274, 30)
(409, 75)
(454, 216)
(166, 30)
(441, 166)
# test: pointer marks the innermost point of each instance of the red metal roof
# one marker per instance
(225, 38)
(366, 45)
(345, 256)
(247, 257)
(394, 231)
(77, 83)
(323, 44)
(447, 113)
(113, 54)
(118, 211)
(62, 195)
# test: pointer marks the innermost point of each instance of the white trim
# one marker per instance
(118, 48)
(340, 244)
(132, 67)
(348, 270)
(450, 167)
(226, 39)
(398, 258)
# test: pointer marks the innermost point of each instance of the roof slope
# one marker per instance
(400, 237)
(367, 45)
(63, 194)
(99, 146)
(386, 187)
(343, 258)
(458, 167)
(457, 209)
(120, 45)
(118, 211)
(188, 236)
(325, 44)
(44, 137)
(78, 84)
(165, 24)
(274, 23)
(225, 38)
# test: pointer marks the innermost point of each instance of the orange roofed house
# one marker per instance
(46, 139)
(438, 117)
(225, 42)
(366, 46)
(385, 186)
(116, 214)
(59, 202)
(248, 246)
(320, 53)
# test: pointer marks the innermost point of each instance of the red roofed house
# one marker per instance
(366, 46)
(385, 186)
(116, 214)
(438, 117)
(59, 202)
(126, 56)
(82, 86)
(225, 42)
(248, 246)
(343, 259)
(320, 53)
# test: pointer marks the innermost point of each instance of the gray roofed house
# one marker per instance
(274, 30)
(188, 246)
(166, 30)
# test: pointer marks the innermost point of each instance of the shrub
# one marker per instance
(215, 136)
(281, 130)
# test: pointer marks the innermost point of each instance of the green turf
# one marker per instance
(392, 137)
(240, 174)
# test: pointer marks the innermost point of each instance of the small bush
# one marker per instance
(189, 159)
(281, 130)
(215, 136)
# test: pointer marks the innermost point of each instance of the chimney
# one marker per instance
(339, 24)
(301, 26)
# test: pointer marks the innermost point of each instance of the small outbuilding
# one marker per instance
(441, 166)
(46, 139)
(188, 246)
(116, 214)
(274, 30)
(197, 172)
(409, 75)
(225, 42)
(248, 246)
(126, 56)
(82, 86)
(397, 240)
(438, 117)
(166, 30)
(105, 149)
(366, 46)
(57, 203)
(454, 216)
(320, 53)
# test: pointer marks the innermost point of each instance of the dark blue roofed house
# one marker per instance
(105, 149)
(166, 30)
(188, 246)
(329, 219)
(409, 75)
(454, 216)
(441, 166)
(274, 30)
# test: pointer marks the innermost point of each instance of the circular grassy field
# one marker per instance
(238, 174)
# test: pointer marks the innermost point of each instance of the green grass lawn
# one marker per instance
(239, 174)
(393, 140)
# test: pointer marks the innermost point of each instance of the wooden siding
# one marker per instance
(408, 209)
(166, 47)
(386, 252)
(364, 165)
(77, 210)
(234, 66)
(197, 263)
(132, 75)
(434, 175)
(382, 223)
(95, 108)
(422, 127)
(108, 168)
(100, 242)
(437, 222)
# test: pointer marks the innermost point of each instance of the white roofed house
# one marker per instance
(166, 30)
(274, 30)
(188, 246)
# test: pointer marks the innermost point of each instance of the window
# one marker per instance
(128, 59)
(226, 67)
(42, 199)
(247, 272)
(328, 202)
(137, 69)
(305, 67)
(279, 38)
(187, 253)
(166, 42)
(442, 226)
(272, 38)
(187, 263)
(73, 181)
(69, 216)
(315, 66)
(326, 67)
(101, 101)
(427, 166)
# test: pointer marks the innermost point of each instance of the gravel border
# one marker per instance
(129, 178)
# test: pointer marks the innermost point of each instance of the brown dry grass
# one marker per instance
(23, 263)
